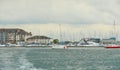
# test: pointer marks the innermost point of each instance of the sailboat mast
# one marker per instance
(60, 32)
(114, 28)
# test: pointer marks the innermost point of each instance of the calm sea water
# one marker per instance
(59, 59)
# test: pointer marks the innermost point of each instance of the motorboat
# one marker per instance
(89, 44)
(112, 46)
(2, 45)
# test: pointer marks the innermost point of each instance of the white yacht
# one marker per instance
(89, 44)
(85, 43)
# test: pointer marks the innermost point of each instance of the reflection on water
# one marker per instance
(59, 59)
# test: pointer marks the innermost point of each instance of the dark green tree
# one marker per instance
(55, 41)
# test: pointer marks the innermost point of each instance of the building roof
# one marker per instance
(38, 37)
(15, 30)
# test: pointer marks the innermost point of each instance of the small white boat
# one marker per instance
(2, 45)
(59, 47)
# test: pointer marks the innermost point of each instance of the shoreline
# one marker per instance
(44, 47)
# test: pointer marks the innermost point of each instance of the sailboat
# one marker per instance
(113, 45)
(59, 46)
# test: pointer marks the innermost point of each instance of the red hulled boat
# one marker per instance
(113, 46)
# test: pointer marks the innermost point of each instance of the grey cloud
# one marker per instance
(59, 11)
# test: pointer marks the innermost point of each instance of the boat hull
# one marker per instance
(112, 46)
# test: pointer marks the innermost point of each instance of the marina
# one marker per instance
(59, 35)
(20, 38)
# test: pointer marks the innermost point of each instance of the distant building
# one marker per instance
(113, 38)
(43, 40)
(96, 40)
(108, 41)
(13, 35)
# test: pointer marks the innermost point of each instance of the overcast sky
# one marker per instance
(78, 18)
